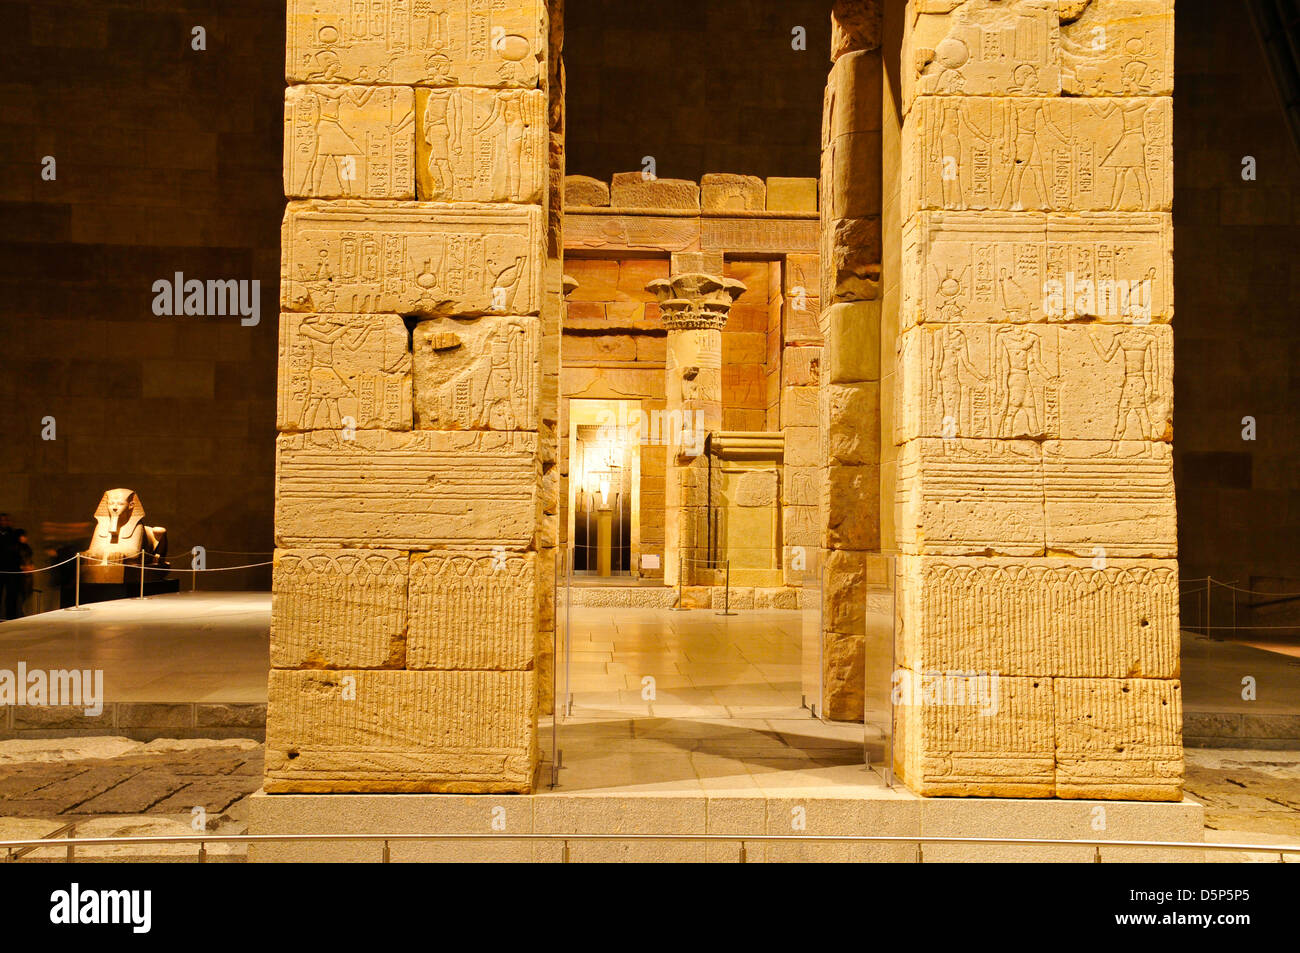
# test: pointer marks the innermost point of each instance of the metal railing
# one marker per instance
(17, 848)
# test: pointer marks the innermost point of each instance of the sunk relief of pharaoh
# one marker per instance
(120, 534)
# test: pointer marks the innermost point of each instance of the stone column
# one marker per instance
(1035, 497)
(694, 306)
(849, 507)
(408, 513)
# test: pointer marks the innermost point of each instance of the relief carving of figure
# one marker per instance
(333, 145)
(507, 142)
(955, 381)
(326, 387)
(1027, 121)
(1017, 357)
(1135, 398)
(1128, 157)
(442, 132)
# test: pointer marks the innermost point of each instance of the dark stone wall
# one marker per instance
(701, 85)
(1237, 328)
(168, 159)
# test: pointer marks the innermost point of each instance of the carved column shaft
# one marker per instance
(694, 307)
(1035, 498)
(415, 494)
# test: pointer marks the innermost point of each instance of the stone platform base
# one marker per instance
(877, 811)
(693, 597)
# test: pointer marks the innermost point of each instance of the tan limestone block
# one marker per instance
(634, 190)
(799, 486)
(854, 91)
(982, 48)
(800, 286)
(723, 192)
(619, 232)
(851, 176)
(1112, 618)
(449, 43)
(1110, 498)
(852, 350)
(801, 366)
(343, 370)
(850, 504)
(1119, 739)
(845, 581)
(755, 235)
(1119, 48)
(472, 611)
(802, 447)
(411, 258)
(1096, 382)
(481, 145)
(970, 497)
(799, 528)
(851, 253)
(799, 407)
(343, 608)
(476, 373)
(786, 194)
(959, 737)
(406, 490)
(851, 423)
(855, 25)
(349, 142)
(843, 665)
(1027, 267)
(1057, 155)
(584, 191)
(353, 731)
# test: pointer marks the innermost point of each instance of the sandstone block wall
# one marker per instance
(1031, 466)
(410, 498)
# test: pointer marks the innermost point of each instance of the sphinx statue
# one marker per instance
(121, 538)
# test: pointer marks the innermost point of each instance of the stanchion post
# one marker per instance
(726, 594)
(142, 574)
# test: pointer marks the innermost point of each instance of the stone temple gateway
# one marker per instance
(988, 418)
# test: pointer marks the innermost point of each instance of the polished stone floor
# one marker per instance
(183, 647)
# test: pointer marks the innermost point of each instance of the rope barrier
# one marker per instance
(129, 564)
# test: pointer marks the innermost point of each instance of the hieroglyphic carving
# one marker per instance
(773, 236)
(1026, 48)
(1118, 738)
(339, 370)
(1024, 498)
(1108, 496)
(417, 42)
(400, 731)
(1119, 48)
(472, 611)
(969, 749)
(1029, 268)
(338, 608)
(1098, 382)
(984, 49)
(585, 230)
(970, 497)
(1030, 153)
(349, 141)
(407, 490)
(476, 373)
(412, 258)
(481, 145)
(1046, 617)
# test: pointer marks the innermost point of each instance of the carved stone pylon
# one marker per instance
(694, 306)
